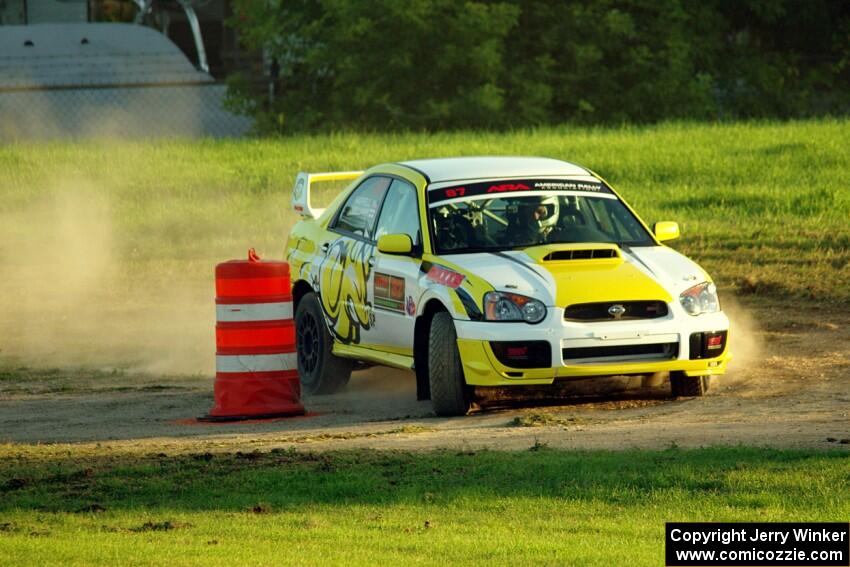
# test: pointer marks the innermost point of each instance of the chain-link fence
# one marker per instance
(158, 111)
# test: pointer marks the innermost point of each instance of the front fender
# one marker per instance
(447, 297)
(459, 290)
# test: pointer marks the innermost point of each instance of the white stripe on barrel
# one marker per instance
(253, 312)
(255, 362)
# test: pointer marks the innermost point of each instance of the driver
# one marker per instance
(531, 220)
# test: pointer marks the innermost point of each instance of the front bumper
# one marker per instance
(483, 368)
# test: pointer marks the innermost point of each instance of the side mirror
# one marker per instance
(666, 230)
(400, 244)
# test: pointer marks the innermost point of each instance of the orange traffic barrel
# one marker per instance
(256, 367)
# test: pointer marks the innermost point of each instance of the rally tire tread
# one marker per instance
(332, 372)
(684, 386)
(449, 394)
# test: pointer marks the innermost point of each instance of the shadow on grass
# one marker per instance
(282, 479)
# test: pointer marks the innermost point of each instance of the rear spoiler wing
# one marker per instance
(303, 183)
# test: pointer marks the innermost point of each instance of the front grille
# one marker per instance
(660, 351)
(588, 312)
(581, 254)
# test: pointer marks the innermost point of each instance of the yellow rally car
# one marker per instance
(494, 271)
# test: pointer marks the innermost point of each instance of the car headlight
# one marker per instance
(700, 299)
(503, 306)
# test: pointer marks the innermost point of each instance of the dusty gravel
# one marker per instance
(788, 387)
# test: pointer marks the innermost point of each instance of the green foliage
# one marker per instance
(605, 62)
(428, 63)
(436, 64)
(379, 65)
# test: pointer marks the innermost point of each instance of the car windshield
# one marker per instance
(504, 215)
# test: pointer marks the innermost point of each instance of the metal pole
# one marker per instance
(196, 33)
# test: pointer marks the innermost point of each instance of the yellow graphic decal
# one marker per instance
(343, 277)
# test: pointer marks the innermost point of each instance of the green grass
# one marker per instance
(763, 206)
(78, 506)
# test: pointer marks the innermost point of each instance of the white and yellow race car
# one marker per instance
(494, 271)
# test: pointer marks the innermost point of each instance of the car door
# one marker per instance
(346, 260)
(395, 288)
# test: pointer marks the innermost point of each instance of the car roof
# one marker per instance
(462, 168)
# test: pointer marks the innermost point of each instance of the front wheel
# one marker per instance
(321, 372)
(449, 392)
(683, 385)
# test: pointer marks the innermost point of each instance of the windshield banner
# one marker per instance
(514, 186)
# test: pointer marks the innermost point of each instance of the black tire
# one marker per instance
(449, 392)
(321, 372)
(683, 385)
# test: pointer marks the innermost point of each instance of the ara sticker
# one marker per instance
(444, 276)
(517, 186)
(507, 187)
(410, 306)
(389, 292)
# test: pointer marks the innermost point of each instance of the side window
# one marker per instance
(615, 221)
(602, 217)
(357, 215)
(628, 225)
(400, 214)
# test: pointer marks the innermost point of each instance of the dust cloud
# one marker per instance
(73, 293)
(382, 379)
(744, 341)
(69, 296)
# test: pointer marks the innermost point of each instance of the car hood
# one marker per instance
(550, 274)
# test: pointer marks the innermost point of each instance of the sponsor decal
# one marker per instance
(342, 283)
(589, 186)
(445, 276)
(411, 306)
(389, 292)
(505, 187)
(489, 187)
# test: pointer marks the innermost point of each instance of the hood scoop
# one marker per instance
(581, 254)
(596, 252)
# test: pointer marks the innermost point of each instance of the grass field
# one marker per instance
(78, 506)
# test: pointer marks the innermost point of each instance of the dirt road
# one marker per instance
(788, 388)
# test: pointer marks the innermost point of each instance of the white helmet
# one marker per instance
(552, 210)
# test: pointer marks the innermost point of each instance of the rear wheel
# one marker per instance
(321, 372)
(683, 385)
(449, 392)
